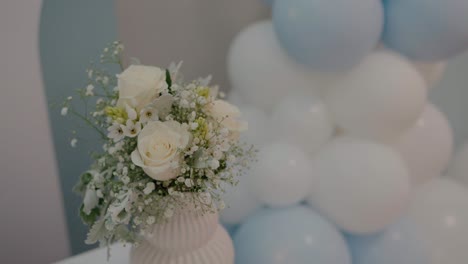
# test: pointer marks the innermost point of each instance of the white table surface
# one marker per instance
(119, 255)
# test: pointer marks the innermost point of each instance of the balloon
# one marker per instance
(458, 168)
(231, 229)
(431, 72)
(359, 185)
(240, 202)
(282, 175)
(294, 235)
(378, 99)
(302, 121)
(426, 30)
(261, 72)
(401, 243)
(259, 132)
(328, 35)
(427, 146)
(440, 210)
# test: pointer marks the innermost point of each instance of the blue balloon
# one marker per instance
(328, 34)
(399, 244)
(426, 30)
(231, 229)
(294, 235)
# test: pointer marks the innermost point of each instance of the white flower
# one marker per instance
(193, 125)
(148, 114)
(139, 85)
(125, 180)
(150, 186)
(64, 111)
(118, 210)
(115, 132)
(73, 142)
(150, 220)
(158, 147)
(174, 69)
(214, 164)
(131, 113)
(188, 183)
(89, 90)
(231, 159)
(131, 129)
(90, 200)
(228, 115)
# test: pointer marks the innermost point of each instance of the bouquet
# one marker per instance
(167, 144)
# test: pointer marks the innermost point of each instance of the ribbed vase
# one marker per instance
(187, 238)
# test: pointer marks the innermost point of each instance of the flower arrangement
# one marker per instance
(163, 139)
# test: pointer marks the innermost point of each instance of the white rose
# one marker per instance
(139, 85)
(228, 115)
(158, 148)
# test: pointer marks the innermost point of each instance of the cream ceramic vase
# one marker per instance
(187, 238)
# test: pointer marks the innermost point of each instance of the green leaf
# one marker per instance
(169, 81)
(91, 218)
(80, 187)
(96, 233)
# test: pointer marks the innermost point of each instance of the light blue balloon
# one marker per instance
(426, 30)
(294, 235)
(399, 244)
(328, 34)
(231, 229)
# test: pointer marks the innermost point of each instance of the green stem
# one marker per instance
(89, 123)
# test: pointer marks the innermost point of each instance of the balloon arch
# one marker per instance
(351, 150)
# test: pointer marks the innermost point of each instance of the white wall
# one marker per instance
(197, 32)
(32, 223)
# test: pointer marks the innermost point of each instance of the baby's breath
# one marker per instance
(120, 200)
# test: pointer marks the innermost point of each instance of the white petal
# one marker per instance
(132, 114)
(136, 158)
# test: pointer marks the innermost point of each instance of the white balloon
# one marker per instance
(282, 175)
(458, 168)
(302, 121)
(261, 71)
(431, 72)
(440, 211)
(378, 99)
(240, 202)
(427, 146)
(359, 185)
(259, 132)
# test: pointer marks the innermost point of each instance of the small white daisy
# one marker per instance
(115, 132)
(148, 114)
(89, 90)
(131, 129)
(150, 186)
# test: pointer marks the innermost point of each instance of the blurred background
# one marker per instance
(45, 47)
